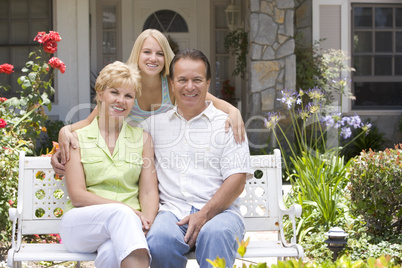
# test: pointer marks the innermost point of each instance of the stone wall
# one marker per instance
(304, 21)
(272, 63)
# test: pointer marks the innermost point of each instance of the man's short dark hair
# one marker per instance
(192, 54)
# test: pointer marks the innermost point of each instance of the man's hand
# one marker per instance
(195, 222)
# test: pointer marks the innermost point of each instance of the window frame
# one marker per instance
(31, 45)
(373, 78)
(99, 31)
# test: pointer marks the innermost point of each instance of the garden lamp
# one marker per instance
(336, 240)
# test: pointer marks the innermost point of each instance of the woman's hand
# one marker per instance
(66, 138)
(235, 121)
(145, 222)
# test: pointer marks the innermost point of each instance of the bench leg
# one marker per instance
(78, 265)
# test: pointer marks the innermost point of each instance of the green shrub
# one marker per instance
(376, 189)
(373, 140)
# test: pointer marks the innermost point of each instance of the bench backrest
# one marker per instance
(42, 195)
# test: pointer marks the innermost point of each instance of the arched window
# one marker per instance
(166, 21)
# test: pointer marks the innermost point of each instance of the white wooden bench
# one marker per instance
(39, 192)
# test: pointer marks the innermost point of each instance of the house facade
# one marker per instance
(96, 32)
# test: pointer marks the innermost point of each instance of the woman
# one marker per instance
(111, 180)
(152, 55)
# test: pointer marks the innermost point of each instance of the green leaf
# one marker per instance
(29, 63)
(32, 76)
(26, 84)
(14, 102)
(51, 90)
(21, 79)
(262, 265)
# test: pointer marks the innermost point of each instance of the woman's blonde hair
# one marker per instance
(118, 74)
(162, 41)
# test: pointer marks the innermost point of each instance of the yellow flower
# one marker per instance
(314, 109)
(242, 246)
(218, 262)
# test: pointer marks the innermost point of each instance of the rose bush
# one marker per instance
(22, 119)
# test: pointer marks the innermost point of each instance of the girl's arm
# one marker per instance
(234, 117)
(148, 185)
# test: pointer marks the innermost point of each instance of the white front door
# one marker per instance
(165, 14)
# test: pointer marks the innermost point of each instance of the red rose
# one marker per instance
(6, 68)
(50, 46)
(57, 64)
(54, 36)
(3, 123)
(41, 37)
(2, 99)
(11, 202)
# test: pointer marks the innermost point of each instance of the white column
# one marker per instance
(71, 20)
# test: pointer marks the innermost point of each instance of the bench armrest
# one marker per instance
(294, 211)
(15, 237)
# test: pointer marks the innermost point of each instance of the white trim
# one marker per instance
(71, 20)
(375, 112)
(83, 68)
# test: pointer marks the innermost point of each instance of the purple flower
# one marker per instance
(346, 132)
(345, 121)
(355, 121)
(328, 120)
(272, 120)
(288, 97)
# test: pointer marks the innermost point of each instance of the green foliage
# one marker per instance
(373, 140)
(51, 134)
(381, 261)
(314, 246)
(236, 42)
(308, 62)
(318, 184)
(376, 189)
(24, 120)
(362, 245)
(317, 174)
(322, 69)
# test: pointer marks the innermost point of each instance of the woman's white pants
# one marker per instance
(112, 230)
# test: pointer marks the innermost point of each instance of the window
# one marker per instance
(108, 32)
(377, 56)
(221, 58)
(20, 22)
(166, 21)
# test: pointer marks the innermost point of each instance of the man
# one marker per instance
(201, 172)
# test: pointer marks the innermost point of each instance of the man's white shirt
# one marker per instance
(193, 158)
